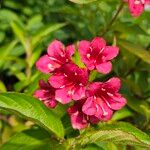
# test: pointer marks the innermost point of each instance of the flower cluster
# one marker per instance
(136, 7)
(93, 101)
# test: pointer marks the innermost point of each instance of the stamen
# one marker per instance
(88, 55)
(110, 94)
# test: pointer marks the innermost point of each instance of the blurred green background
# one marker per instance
(28, 26)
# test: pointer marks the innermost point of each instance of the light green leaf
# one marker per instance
(122, 113)
(33, 110)
(33, 139)
(19, 32)
(120, 133)
(82, 1)
(2, 87)
(45, 31)
(6, 50)
(136, 50)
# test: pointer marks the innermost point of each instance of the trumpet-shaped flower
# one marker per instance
(70, 82)
(103, 98)
(96, 54)
(80, 120)
(57, 56)
(46, 94)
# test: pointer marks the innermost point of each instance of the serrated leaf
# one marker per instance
(120, 133)
(33, 110)
(33, 139)
(82, 1)
(136, 50)
(45, 31)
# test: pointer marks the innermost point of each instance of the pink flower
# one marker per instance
(46, 94)
(79, 120)
(136, 7)
(96, 54)
(70, 81)
(56, 57)
(103, 98)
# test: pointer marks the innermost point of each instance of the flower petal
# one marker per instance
(70, 50)
(55, 48)
(62, 96)
(58, 80)
(89, 107)
(113, 84)
(104, 113)
(79, 93)
(97, 45)
(136, 9)
(104, 67)
(116, 102)
(78, 120)
(110, 52)
(83, 47)
(45, 65)
(51, 103)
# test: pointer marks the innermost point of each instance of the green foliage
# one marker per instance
(32, 109)
(120, 133)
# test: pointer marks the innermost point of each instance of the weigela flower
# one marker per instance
(96, 54)
(79, 120)
(46, 94)
(103, 98)
(93, 102)
(136, 7)
(56, 57)
(70, 82)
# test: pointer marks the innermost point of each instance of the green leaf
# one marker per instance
(82, 1)
(45, 31)
(136, 50)
(120, 133)
(19, 32)
(122, 113)
(2, 87)
(33, 110)
(5, 51)
(33, 139)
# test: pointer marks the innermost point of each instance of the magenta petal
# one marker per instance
(147, 2)
(39, 94)
(104, 113)
(110, 52)
(113, 84)
(79, 93)
(104, 67)
(51, 103)
(89, 107)
(55, 49)
(116, 102)
(58, 80)
(70, 50)
(136, 9)
(44, 64)
(78, 121)
(98, 44)
(83, 47)
(63, 96)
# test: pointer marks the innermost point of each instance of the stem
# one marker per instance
(113, 19)
(28, 57)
